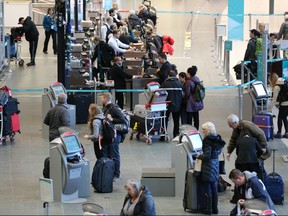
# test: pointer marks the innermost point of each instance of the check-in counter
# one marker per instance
(133, 62)
(139, 83)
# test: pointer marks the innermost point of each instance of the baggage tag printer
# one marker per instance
(259, 96)
(192, 143)
(66, 167)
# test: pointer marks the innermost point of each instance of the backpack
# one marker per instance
(199, 92)
(123, 128)
(108, 131)
(258, 46)
(283, 94)
(109, 31)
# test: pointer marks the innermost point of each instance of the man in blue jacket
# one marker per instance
(254, 188)
(31, 35)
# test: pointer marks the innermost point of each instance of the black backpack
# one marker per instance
(108, 132)
(109, 31)
(283, 94)
(199, 92)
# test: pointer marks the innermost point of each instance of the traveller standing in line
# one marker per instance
(182, 78)
(57, 117)
(166, 67)
(112, 112)
(175, 96)
(50, 31)
(277, 83)
(138, 201)
(31, 35)
(283, 32)
(192, 107)
(95, 124)
(212, 147)
(119, 76)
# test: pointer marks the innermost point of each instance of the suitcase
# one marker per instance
(141, 111)
(190, 199)
(6, 125)
(158, 96)
(3, 97)
(15, 123)
(102, 176)
(265, 122)
(140, 126)
(275, 185)
(82, 103)
(11, 106)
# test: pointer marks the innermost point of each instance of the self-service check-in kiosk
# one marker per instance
(255, 100)
(68, 170)
(184, 151)
(49, 100)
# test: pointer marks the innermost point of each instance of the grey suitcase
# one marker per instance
(190, 202)
(141, 111)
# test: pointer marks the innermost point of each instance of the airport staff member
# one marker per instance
(31, 35)
(57, 117)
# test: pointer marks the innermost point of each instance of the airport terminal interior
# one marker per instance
(21, 162)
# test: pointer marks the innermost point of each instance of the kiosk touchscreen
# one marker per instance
(195, 140)
(57, 88)
(259, 90)
(70, 142)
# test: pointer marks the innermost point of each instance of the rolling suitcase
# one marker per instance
(102, 176)
(265, 122)
(275, 185)
(82, 103)
(190, 201)
(15, 123)
(6, 125)
(140, 126)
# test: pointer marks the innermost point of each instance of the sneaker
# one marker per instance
(285, 135)
(278, 135)
(31, 64)
(115, 179)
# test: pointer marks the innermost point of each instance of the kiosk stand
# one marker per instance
(184, 151)
(49, 100)
(68, 170)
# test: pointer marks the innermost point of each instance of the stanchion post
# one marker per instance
(220, 52)
(242, 72)
(240, 95)
(192, 26)
(224, 66)
(250, 21)
(215, 37)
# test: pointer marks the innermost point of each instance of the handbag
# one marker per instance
(222, 170)
(197, 167)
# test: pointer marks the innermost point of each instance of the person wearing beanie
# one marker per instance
(138, 201)
(192, 106)
(57, 117)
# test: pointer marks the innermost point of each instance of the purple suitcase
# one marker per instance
(265, 122)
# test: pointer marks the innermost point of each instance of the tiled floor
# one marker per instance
(21, 163)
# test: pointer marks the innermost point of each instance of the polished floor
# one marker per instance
(21, 163)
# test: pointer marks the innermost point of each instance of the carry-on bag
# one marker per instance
(6, 125)
(265, 122)
(138, 124)
(190, 201)
(3, 97)
(15, 123)
(102, 176)
(158, 96)
(275, 185)
(11, 106)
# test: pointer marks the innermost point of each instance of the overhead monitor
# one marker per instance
(57, 89)
(259, 90)
(195, 141)
(70, 142)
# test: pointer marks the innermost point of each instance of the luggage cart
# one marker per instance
(153, 125)
(18, 59)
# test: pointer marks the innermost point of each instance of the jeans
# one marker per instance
(195, 117)
(49, 34)
(112, 151)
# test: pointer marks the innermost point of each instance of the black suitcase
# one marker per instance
(11, 106)
(82, 102)
(102, 176)
(275, 185)
(7, 125)
(140, 126)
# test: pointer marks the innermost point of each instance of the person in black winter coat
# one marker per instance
(138, 201)
(118, 75)
(251, 46)
(162, 73)
(31, 35)
(212, 147)
(134, 20)
(175, 98)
